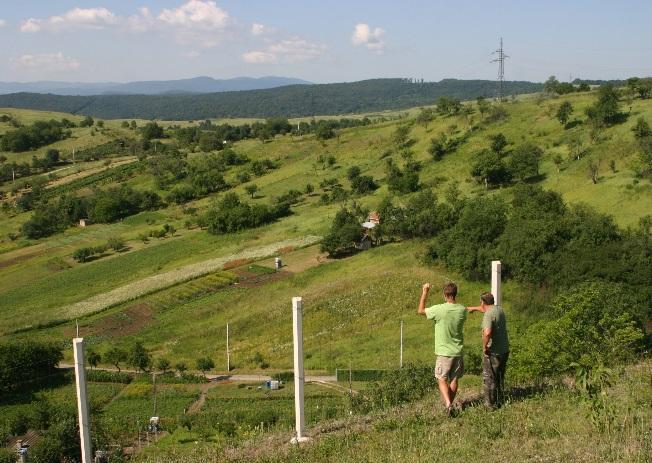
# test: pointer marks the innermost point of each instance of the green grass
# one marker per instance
(549, 425)
(37, 287)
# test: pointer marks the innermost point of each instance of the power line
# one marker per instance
(501, 68)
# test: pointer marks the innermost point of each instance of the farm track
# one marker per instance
(164, 280)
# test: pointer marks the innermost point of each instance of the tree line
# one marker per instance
(290, 101)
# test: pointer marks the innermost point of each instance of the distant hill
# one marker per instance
(288, 101)
(153, 87)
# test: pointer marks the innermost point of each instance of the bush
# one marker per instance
(407, 384)
(103, 376)
(345, 232)
(231, 214)
(7, 456)
(25, 361)
(285, 376)
(343, 374)
(593, 324)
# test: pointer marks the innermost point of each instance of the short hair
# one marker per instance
(487, 298)
(450, 289)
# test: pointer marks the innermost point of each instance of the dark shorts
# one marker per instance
(449, 368)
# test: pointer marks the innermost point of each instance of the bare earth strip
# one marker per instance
(163, 280)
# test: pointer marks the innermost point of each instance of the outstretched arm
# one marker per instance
(424, 296)
(477, 308)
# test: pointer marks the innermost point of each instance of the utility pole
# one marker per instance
(154, 388)
(228, 351)
(501, 68)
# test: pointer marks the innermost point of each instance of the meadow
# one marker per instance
(177, 293)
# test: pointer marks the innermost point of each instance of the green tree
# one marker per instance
(583, 330)
(162, 364)
(605, 110)
(309, 188)
(498, 143)
(483, 105)
(551, 85)
(139, 357)
(82, 255)
(151, 130)
(425, 117)
(401, 135)
(641, 128)
(437, 148)
(87, 122)
(489, 168)
(94, 358)
(116, 243)
(564, 112)
(115, 356)
(205, 364)
(181, 367)
(524, 162)
(251, 189)
(344, 234)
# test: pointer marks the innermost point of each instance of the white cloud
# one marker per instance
(31, 25)
(260, 29)
(81, 18)
(196, 22)
(196, 13)
(368, 37)
(141, 22)
(259, 57)
(55, 62)
(292, 50)
(3, 23)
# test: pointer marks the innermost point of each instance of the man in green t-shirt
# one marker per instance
(495, 345)
(449, 340)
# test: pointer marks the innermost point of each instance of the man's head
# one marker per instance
(487, 299)
(450, 291)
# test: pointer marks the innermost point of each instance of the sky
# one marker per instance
(322, 41)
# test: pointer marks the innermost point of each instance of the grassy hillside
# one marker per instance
(353, 305)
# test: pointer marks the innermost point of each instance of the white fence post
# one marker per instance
(298, 371)
(496, 269)
(82, 400)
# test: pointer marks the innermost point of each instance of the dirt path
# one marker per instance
(197, 405)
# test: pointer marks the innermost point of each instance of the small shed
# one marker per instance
(84, 222)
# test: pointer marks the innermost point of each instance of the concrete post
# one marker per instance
(496, 269)
(82, 400)
(298, 371)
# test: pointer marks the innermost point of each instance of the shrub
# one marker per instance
(82, 254)
(593, 325)
(103, 376)
(345, 232)
(407, 384)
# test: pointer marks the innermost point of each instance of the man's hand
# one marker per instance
(422, 302)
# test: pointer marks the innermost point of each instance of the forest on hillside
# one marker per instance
(289, 101)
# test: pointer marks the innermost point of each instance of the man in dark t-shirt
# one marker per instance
(495, 345)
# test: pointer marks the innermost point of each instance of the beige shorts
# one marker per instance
(449, 368)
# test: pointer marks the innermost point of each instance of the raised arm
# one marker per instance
(424, 296)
